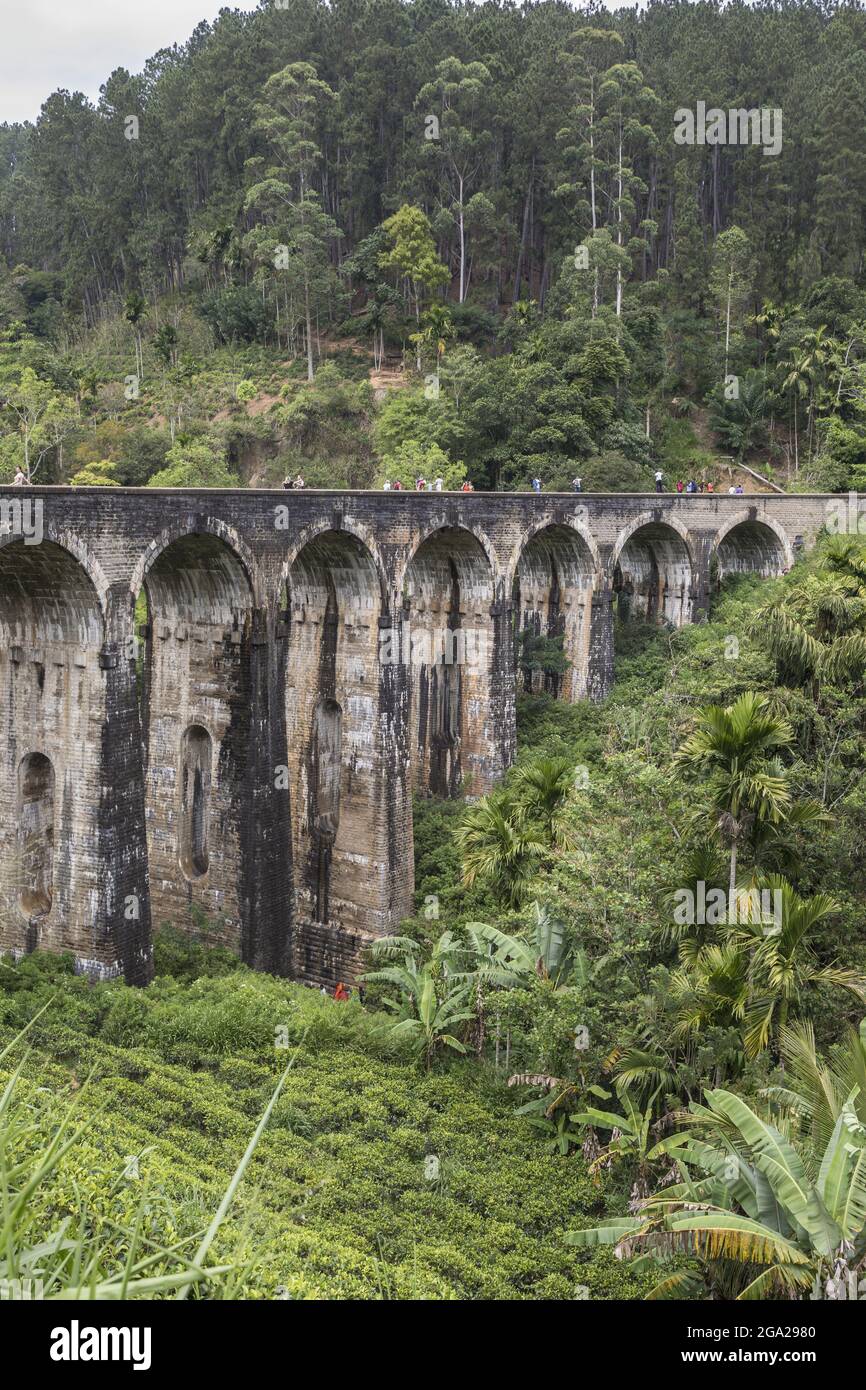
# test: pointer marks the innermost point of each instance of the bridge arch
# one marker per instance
(552, 582)
(52, 628)
(747, 544)
(334, 727)
(361, 534)
(461, 530)
(66, 540)
(652, 567)
(197, 526)
(448, 640)
(197, 695)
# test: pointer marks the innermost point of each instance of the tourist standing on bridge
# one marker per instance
(386, 486)
(536, 484)
(19, 480)
(660, 486)
(577, 484)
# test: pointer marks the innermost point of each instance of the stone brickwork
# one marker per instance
(309, 659)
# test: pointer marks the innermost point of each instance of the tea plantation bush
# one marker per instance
(338, 1202)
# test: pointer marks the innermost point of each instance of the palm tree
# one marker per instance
(759, 970)
(761, 1210)
(745, 783)
(741, 421)
(805, 376)
(815, 1091)
(499, 847)
(134, 310)
(543, 786)
(710, 989)
(817, 631)
(782, 962)
(704, 865)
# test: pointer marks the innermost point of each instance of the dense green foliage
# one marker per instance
(337, 1202)
(487, 201)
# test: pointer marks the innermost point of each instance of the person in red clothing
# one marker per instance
(341, 992)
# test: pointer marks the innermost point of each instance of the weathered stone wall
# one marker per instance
(334, 731)
(296, 685)
(197, 703)
(448, 637)
(53, 713)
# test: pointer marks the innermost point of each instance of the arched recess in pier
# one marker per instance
(652, 569)
(52, 707)
(551, 594)
(448, 642)
(197, 700)
(746, 545)
(346, 812)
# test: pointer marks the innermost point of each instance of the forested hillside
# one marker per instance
(480, 219)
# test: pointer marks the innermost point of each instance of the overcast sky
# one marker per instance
(76, 44)
(46, 44)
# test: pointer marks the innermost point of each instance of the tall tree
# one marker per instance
(458, 99)
(287, 118)
(731, 280)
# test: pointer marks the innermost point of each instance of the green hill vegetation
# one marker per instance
(437, 238)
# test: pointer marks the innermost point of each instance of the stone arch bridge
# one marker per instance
(246, 748)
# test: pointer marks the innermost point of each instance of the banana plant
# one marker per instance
(511, 960)
(749, 1199)
(552, 1118)
(630, 1135)
(436, 1017)
(432, 996)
